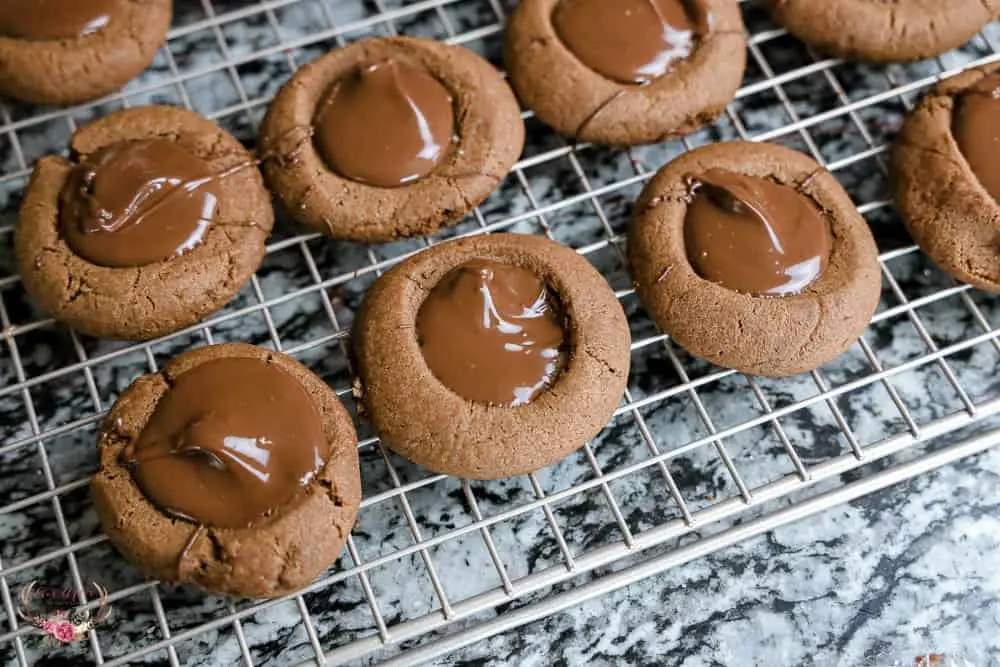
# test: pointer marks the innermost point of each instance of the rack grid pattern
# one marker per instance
(691, 449)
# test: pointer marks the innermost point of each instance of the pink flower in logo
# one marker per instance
(61, 630)
(59, 625)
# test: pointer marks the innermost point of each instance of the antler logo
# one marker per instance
(68, 624)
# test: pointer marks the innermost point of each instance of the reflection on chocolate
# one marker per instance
(42, 20)
(231, 442)
(977, 130)
(387, 124)
(138, 202)
(629, 41)
(492, 333)
(755, 236)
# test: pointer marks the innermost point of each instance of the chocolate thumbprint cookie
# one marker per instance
(157, 220)
(491, 356)
(626, 72)
(234, 469)
(884, 30)
(946, 175)
(753, 257)
(68, 51)
(390, 138)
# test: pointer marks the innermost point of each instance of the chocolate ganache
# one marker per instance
(629, 41)
(492, 333)
(51, 20)
(386, 124)
(755, 236)
(231, 442)
(138, 202)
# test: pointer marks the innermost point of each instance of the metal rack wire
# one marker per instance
(695, 459)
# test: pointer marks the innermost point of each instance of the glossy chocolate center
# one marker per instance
(629, 41)
(492, 333)
(138, 202)
(230, 443)
(44, 20)
(976, 128)
(387, 124)
(755, 236)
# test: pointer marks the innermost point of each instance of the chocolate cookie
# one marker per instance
(946, 170)
(753, 257)
(626, 72)
(68, 51)
(390, 138)
(159, 220)
(234, 469)
(491, 356)
(884, 30)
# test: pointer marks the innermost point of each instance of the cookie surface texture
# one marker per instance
(143, 302)
(948, 211)
(489, 136)
(762, 335)
(425, 421)
(884, 31)
(579, 102)
(269, 559)
(63, 71)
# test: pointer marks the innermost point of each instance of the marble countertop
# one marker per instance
(908, 570)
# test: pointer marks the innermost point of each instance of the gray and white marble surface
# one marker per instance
(879, 581)
(904, 574)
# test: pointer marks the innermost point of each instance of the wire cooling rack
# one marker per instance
(695, 459)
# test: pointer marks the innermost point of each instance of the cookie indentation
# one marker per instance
(630, 41)
(231, 442)
(492, 333)
(755, 236)
(387, 124)
(134, 203)
(44, 20)
(977, 130)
